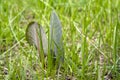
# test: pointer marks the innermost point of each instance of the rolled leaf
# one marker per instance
(32, 36)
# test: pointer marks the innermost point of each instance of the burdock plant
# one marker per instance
(53, 46)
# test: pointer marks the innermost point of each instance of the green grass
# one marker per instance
(91, 36)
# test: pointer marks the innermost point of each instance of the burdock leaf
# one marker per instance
(32, 36)
(44, 41)
(56, 43)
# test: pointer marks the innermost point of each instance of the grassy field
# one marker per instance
(91, 37)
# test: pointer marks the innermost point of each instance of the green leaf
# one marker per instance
(32, 36)
(56, 43)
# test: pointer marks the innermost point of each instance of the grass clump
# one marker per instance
(91, 36)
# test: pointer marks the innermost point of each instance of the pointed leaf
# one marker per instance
(56, 43)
